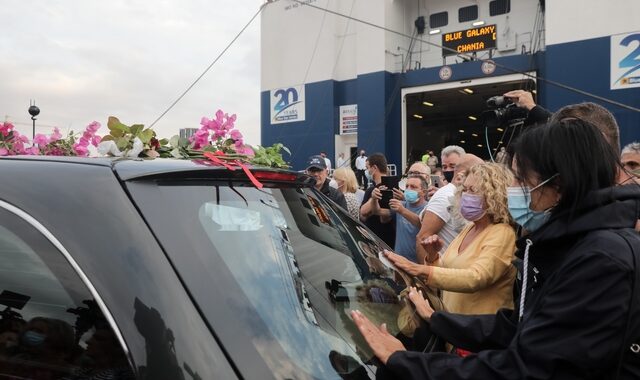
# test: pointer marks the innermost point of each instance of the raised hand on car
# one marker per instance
(423, 308)
(405, 264)
(381, 342)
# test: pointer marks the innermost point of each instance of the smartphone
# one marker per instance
(391, 182)
(386, 197)
(436, 180)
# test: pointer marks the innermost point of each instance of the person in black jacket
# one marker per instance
(317, 168)
(578, 316)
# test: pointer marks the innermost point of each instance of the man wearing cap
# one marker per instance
(317, 168)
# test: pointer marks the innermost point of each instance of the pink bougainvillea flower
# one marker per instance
(6, 128)
(235, 134)
(33, 151)
(4, 152)
(93, 127)
(200, 138)
(40, 140)
(56, 135)
(220, 116)
(80, 150)
(95, 140)
(246, 150)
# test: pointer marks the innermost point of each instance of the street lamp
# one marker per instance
(33, 111)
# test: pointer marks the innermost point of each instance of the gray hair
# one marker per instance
(423, 165)
(452, 149)
(424, 185)
(634, 147)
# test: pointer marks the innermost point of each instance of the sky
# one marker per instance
(86, 60)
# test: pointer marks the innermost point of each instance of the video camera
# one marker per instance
(503, 112)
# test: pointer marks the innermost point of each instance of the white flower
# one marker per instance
(137, 148)
(109, 148)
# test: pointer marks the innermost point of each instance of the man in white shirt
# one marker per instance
(361, 166)
(341, 162)
(439, 217)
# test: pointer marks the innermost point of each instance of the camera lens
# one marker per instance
(497, 101)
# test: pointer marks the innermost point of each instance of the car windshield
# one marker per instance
(280, 268)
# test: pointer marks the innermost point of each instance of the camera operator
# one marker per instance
(369, 210)
(524, 99)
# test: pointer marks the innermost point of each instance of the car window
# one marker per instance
(301, 264)
(50, 325)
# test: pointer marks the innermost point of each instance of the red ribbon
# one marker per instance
(215, 158)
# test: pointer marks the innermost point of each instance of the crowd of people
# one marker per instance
(50, 348)
(534, 255)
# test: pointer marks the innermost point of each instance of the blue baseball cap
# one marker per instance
(316, 162)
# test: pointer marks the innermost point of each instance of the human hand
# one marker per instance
(381, 342)
(398, 194)
(423, 308)
(431, 190)
(432, 244)
(377, 192)
(521, 98)
(405, 264)
(395, 205)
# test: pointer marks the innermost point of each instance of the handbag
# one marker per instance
(411, 324)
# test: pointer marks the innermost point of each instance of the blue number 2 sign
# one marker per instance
(286, 98)
(631, 61)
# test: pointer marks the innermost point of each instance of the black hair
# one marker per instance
(572, 149)
(379, 161)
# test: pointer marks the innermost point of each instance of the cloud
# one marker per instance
(86, 60)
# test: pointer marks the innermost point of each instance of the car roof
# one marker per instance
(138, 168)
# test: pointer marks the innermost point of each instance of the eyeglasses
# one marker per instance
(416, 173)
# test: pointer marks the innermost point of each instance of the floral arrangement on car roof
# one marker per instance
(217, 139)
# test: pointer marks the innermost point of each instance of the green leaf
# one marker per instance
(163, 142)
(173, 141)
(286, 150)
(136, 129)
(116, 128)
(183, 142)
(107, 138)
(176, 153)
(146, 135)
(122, 143)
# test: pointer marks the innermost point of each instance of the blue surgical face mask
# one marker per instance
(368, 175)
(411, 196)
(33, 339)
(518, 200)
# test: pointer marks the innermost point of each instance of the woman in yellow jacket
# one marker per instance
(475, 273)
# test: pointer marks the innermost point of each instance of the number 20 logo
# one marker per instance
(632, 60)
(286, 98)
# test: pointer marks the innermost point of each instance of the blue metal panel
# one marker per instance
(582, 64)
(586, 65)
(308, 137)
(371, 112)
(470, 70)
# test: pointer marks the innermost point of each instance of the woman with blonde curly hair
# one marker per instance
(475, 272)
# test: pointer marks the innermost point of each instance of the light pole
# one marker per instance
(33, 111)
